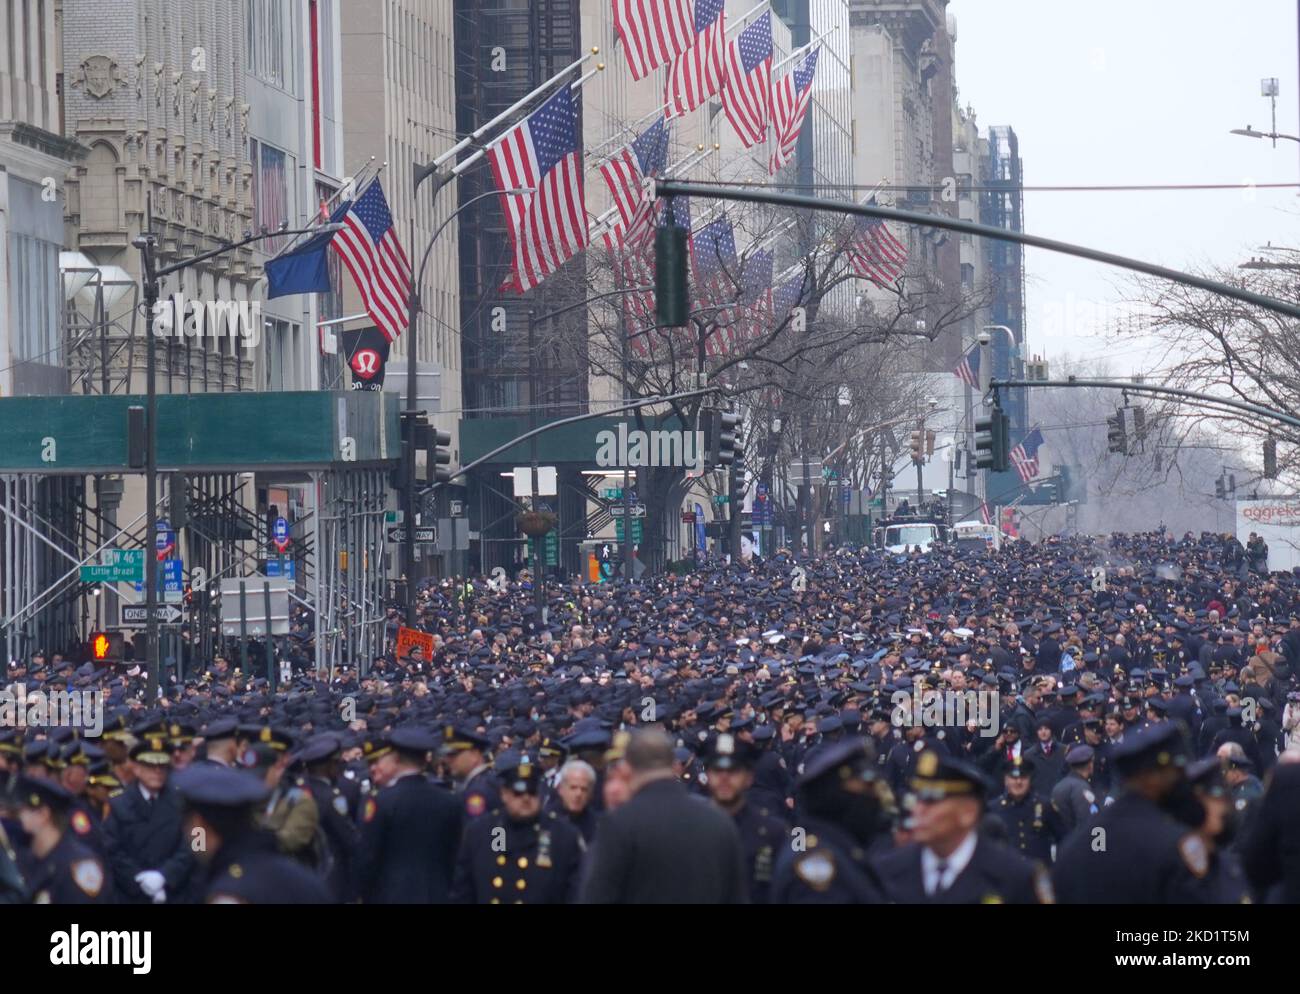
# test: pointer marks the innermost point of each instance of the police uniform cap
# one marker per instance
(848, 758)
(725, 751)
(152, 750)
(457, 738)
(939, 777)
(1155, 746)
(518, 772)
(220, 728)
(412, 740)
(1207, 774)
(38, 792)
(1021, 766)
(1079, 755)
(210, 785)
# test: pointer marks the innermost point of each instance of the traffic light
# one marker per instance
(105, 647)
(441, 456)
(1116, 440)
(918, 447)
(929, 443)
(671, 292)
(736, 494)
(992, 435)
(1270, 458)
(1220, 491)
(723, 437)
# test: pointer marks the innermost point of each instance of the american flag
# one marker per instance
(755, 299)
(625, 174)
(790, 99)
(1025, 456)
(787, 295)
(652, 31)
(698, 72)
(543, 152)
(369, 247)
(747, 89)
(875, 253)
(713, 249)
(968, 370)
(636, 269)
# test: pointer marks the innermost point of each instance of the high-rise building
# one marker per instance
(399, 107)
(903, 78)
(34, 156)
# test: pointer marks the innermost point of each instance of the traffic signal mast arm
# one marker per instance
(1236, 405)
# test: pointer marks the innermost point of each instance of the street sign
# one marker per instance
(116, 566)
(280, 534)
(426, 534)
(616, 510)
(173, 583)
(165, 541)
(280, 568)
(457, 508)
(138, 614)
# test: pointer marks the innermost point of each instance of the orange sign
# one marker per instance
(408, 640)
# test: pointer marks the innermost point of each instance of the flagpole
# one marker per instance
(521, 102)
(319, 221)
(464, 164)
(658, 111)
(803, 49)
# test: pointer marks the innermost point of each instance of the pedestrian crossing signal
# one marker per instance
(105, 647)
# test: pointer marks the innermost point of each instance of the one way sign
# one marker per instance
(426, 534)
(138, 614)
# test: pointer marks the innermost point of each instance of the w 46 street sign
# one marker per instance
(116, 566)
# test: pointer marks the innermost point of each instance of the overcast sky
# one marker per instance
(1134, 92)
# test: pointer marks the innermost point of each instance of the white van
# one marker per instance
(976, 535)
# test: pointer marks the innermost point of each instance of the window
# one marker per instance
(330, 304)
(271, 170)
(268, 36)
(278, 341)
(36, 295)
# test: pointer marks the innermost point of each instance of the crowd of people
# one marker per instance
(1080, 720)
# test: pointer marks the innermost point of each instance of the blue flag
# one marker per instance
(302, 270)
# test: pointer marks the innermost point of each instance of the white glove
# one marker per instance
(151, 882)
(161, 896)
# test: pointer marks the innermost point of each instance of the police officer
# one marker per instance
(1032, 825)
(729, 762)
(144, 840)
(410, 829)
(463, 752)
(241, 864)
(1134, 851)
(1074, 798)
(1225, 882)
(320, 759)
(516, 854)
(839, 808)
(950, 861)
(58, 867)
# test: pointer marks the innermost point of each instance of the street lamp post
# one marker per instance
(412, 412)
(152, 274)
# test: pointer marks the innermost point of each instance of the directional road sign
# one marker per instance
(138, 614)
(424, 534)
